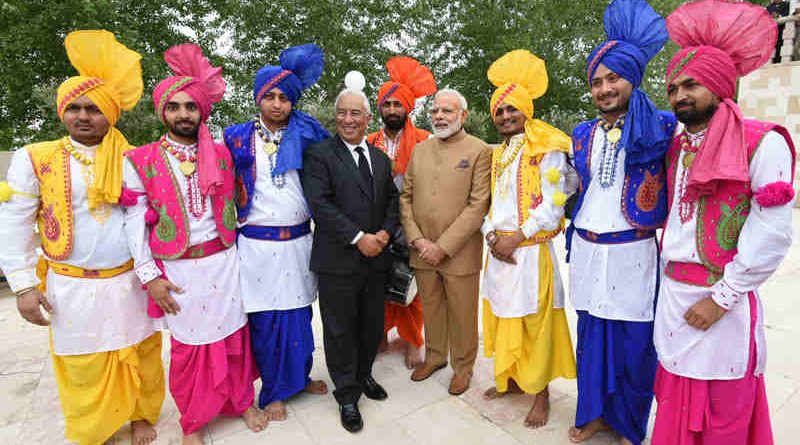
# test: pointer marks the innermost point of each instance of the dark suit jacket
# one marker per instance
(341, 207)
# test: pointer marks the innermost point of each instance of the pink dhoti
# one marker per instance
(713, 412)
(213, 379)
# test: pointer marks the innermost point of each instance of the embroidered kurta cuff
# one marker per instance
(22, 279)
(725, 296)
(148, 272)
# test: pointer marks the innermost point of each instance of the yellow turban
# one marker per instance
(521, 77)
(110, 75)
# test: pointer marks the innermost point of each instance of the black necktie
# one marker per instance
(363, 168)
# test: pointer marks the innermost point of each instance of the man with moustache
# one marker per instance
(729, 228)
(409, 80)
(349, 188)
(182, 219)
(524, 324)
(613, 255)
(274, 241)
(106, 354)
(445, 197)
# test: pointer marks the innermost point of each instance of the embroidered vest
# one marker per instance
(644, 193)
(378, 139)
(55, 219)
(169, 238)
(720, 217)
(529, 190)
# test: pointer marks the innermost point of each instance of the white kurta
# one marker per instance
(89, 315)
(610, 281)
(211, 302)
(722, 352)
(513, 290)
(275, 275)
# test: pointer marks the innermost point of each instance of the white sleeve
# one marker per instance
(17, 219)
(136, 228)
(767, 232)
(553, 170)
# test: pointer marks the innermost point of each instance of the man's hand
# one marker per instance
(432, 254)
(371, 245)
(703, 314)
(28, 306)
(503, 249)
(384, 236)
(159, 289)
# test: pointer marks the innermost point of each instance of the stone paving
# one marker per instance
(414, 414)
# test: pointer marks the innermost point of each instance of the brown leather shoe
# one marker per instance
(459, 384)
(425, 370)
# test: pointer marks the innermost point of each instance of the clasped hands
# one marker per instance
(371, 245)
(428, 251)
(503, 247)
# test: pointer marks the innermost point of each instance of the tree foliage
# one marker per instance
(458, 39)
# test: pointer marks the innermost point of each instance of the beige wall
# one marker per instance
(5, 159)
(773, 94)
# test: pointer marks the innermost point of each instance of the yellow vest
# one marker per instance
(529, 190)
(52, 167)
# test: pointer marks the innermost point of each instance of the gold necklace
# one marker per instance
(506, 159)
(80, 157)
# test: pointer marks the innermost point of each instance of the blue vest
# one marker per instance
(644, 193)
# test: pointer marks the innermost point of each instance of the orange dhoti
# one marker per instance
(407, 319)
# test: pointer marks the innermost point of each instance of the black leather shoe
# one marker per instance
(351, 417)
(373, 390)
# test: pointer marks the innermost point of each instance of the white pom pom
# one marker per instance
(354, 80)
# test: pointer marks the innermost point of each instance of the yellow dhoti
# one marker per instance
(100, 392)
(534, 349)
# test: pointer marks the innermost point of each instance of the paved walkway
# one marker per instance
(415, 413)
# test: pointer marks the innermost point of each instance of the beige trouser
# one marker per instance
(450, 310)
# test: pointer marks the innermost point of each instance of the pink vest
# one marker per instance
(720, 217)
(169, 238)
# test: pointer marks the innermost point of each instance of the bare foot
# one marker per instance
(492, 393)
(540, 411)
(142, 433)
(384, 345)
(578, 435)
(413, 356)
(275, 411)
(255, 419)
(195, 438)
(317, 387)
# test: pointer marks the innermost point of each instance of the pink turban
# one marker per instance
(720, 41)
(195, 76)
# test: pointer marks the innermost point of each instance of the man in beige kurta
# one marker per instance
(445, 197)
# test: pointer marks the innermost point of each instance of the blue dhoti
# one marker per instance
(283, 344)
(616, 371)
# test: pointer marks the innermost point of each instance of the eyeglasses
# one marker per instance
(444, 110)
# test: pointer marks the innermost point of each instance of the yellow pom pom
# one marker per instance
(552, 175)
(559, 199)
(5, 192)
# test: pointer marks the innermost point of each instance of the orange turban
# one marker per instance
(409, 80)
(110, 75)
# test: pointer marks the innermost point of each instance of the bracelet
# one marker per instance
(22, 292)
(491, 238)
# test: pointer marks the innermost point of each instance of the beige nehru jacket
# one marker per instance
(445, 196)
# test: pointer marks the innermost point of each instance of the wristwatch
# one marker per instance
(491, 238)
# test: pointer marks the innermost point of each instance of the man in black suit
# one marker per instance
(349, 188)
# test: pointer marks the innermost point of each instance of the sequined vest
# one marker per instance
(169, 238)
(529, 190)
(720, 217)
(55, 218)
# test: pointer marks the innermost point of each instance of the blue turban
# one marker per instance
(635, 34)
(300, 67)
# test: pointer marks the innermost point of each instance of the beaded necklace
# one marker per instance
(188, 156)
(689, 147)
(271, 147)
(509, 155)
(610, 153)
(102, 211)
